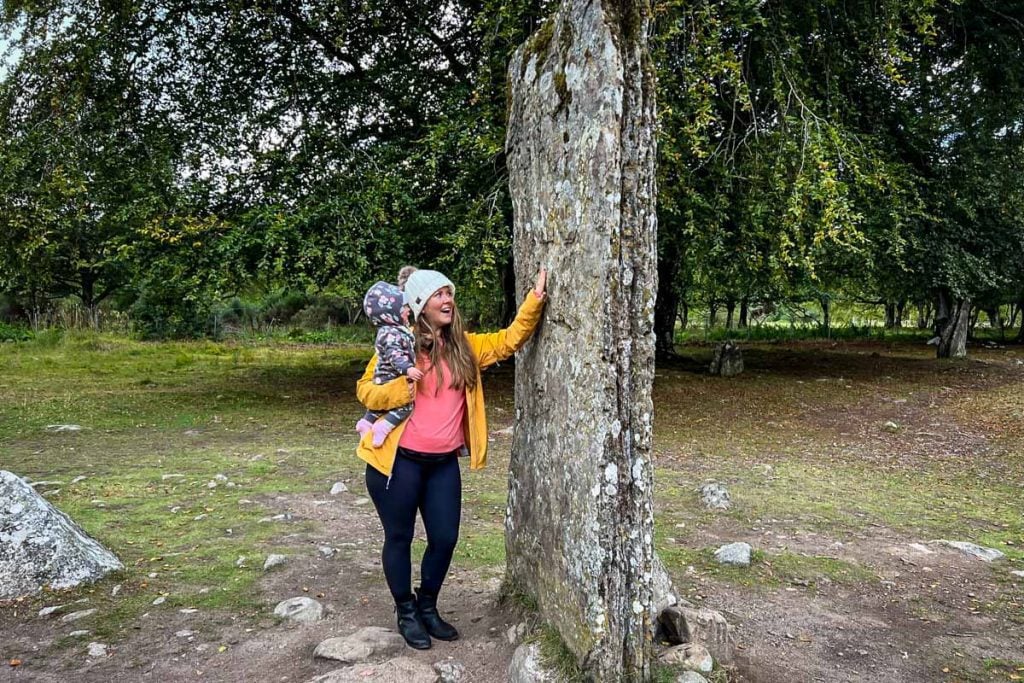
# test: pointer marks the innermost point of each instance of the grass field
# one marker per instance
(835, 452)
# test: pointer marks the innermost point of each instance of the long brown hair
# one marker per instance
(453, 350)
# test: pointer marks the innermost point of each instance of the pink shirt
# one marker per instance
(435, 425)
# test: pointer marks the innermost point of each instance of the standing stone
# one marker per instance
(581, 152)
(41, 546)
(727, 360)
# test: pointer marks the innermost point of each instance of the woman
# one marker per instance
(417, 465)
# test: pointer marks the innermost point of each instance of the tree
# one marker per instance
(581, 161)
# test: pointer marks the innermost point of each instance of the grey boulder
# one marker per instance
(526, 666)
(368, 642)
(398, 670)
(41, 547)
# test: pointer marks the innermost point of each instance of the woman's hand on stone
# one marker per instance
(540, 289)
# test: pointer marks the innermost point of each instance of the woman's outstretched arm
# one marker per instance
(497, 346)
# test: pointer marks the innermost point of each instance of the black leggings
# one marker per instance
(432, 484)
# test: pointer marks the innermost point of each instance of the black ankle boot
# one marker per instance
(410, 625)
(436, 626)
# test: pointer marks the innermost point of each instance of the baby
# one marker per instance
(385, 306)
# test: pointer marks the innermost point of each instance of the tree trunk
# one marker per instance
(730, 310)
(996, 321)
(744, 312)
(579, 524)
(901, 306)
(684, 315)
(924, 316)
(826, 316)
(890, 315)
(952, 322)
(712, 314)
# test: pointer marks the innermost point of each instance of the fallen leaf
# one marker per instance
(15, 662)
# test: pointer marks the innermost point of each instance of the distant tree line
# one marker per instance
(164, 157)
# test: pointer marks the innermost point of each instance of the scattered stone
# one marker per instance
(727, 361)
(220, 477)
(515, 633)
(56, 429)
(691, 656)
(980, 552)
(274, 560)
(159, 601)
(398, 670)
(371, 641)
(42, 546)
(450, 671)
(361, 501)
(921, 548)
(891, 427)
(526, 666)
(302, 609)
(167, 477)
(211, 485)
(240, 562)
(115, 590)
(97, 650)
(198, 518)
(1018, 573)
(184, 633)
(339, 487)
(192, 432)
(681, 624)
(78, 634)
(734, 554)
(690, 677)
(79, 479)
(327, 551)
(188, 610)
(715, 496)
(75, 616)
(47, 611)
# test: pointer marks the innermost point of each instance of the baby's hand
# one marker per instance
(414, 374)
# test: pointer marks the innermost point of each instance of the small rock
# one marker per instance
(188, 610)
(192, 432)
(691, 656)
(982, 553)
(368, 642)
(274, 560)
(404, 669)
(55, 429)
(690, 677)
(301, 609)
(97, 650)
(715, 496)
(734, 554)
(79, 479)
(339, 487)
(327, 551)
(681, 624)
(211, 485)
(75, 616)
(78, 634)
(515, 633)
(199, 517)
(115, 590)
(527, 667)
(891, 427)
(450, 671)
(184, 633)
(167, 477)
(1018, 573)
(220, 477)
(47, 611)
(159, 601)
(240, 562)
(361, 501)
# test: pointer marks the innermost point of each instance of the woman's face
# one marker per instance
(440, 308)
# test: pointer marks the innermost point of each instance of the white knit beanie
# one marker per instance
(421, 285)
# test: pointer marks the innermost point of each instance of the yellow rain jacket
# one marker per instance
(488, 350)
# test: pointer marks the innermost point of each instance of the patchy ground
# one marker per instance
(831, 497)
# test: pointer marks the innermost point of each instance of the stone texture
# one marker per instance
(715, 496)
(371, 641)
(399, 670)
(274, 560)
(734, 554)
(97, 650)
(450, 671)
(680, 625)
(692, 656)
(980, 552)
(526, 666)
(40, 546)
(690, 677)
(580, 154)
(663, 592)
(339, 487)
(301, 609)
(727, 360)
